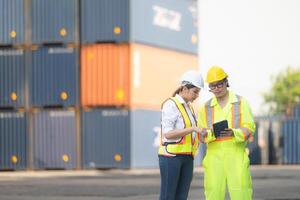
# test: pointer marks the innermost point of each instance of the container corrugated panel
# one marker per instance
(13, 140)
(53, 76)
(104, 21)
(134, 75)
(53, 21)
(160, 23)
(145, 138)
(297, 111)
(254, 149)
(291, 138)
(155, 74)
(165, 24)
(105, 75)
(12, 77)
(105, 138)
(12, 22)
(54, 143)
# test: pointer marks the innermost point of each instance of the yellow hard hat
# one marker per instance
(214, 74)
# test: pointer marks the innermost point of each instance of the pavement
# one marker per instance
(269, 183)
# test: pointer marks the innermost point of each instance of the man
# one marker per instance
(226, 162)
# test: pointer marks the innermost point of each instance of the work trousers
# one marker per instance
(176, 176)
(227, 164)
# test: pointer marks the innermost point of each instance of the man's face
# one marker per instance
(218, 88)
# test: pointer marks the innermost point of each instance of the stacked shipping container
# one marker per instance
(105, 113)
(39, 69)
(132, 54)
(13, 119)
(53, 82)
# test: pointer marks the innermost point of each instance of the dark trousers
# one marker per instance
(176, 176)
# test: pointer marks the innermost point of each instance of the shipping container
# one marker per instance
(161, 23)
(105, 75)
(12, 22)
(104, 21)
(269, 140)
(133, 75)
(53, 76)
(105, 138)
(54, 139)
(53, 21)
(263, 140)
(291, 141)
(254, 149)
(12, 77)
(13, 140)
(145, 138)
(297, 111)
(165, 24)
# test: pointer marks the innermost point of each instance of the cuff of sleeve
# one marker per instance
(239, 135)
(209, 137)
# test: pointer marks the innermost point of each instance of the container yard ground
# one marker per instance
(269, 182)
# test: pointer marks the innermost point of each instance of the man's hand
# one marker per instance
(228, 132)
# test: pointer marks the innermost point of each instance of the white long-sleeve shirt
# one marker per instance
(172, 118)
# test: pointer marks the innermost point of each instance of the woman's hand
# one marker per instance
(201, 131)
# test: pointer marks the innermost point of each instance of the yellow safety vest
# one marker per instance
(240, 119)
(186, 145)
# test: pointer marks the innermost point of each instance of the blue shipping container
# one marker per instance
(13, 140)
(105, 138)
(12, 22)
(55, 143)
(104, 21)
(54, 77)
(12, 77)
(161, 23)
(53, 21)
(297, 111)
(291, 141)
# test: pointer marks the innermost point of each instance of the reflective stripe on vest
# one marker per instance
(185, 145)
(235, 118)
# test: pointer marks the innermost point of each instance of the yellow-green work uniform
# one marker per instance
(226, 161)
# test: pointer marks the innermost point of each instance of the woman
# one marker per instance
(179, 138)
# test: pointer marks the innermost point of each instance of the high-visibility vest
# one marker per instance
(186, 145)
(235, 118)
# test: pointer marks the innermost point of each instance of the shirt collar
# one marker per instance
(180, 99)
(232, 99)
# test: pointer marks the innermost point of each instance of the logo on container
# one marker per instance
(156, 141)
(166, 18)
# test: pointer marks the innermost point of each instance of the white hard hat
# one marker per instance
(192, 77)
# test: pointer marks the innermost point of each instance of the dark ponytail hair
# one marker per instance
(179, 89)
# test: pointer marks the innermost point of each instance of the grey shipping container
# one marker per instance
(12, 77)
(161, 23)
(105, 138)
(13, 140)
(54, 77)
(54, 143)
(53, 21)
(291, 141)
(12, 22)
(145, 138)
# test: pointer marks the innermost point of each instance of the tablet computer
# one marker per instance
(219, 126)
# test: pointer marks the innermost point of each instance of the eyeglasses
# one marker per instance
(218, 85)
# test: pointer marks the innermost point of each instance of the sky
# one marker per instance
(252, 40)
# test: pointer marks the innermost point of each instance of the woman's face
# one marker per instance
(189, 95)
